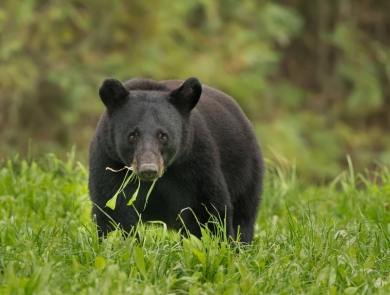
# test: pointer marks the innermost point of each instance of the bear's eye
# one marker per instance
(163, 137)
(133, 136)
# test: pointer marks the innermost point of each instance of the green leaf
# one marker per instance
(111, 203)
(128, 178)
(241, 269)
(202, 258)
(134, 196)
(148, 291)
(350, 290)
(370, 261)
(149, 192)
(139, 260)
(100, 263)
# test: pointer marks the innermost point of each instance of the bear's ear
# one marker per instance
(187, 96)
(112, 93)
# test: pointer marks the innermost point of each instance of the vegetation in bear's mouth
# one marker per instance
(309, 239)
(129, 177)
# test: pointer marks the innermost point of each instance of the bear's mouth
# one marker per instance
(148, 171)
(147, 179)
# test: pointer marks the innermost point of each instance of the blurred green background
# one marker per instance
(313, 76)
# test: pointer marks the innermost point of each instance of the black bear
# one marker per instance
(193, 139)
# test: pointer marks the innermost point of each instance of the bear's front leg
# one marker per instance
(221, 218)
(212, 209)
(208, 215)
(123, 217)
(103, 185)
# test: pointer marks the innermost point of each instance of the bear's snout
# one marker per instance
(148, 166)
(148, 172)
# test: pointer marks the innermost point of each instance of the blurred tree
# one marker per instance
(341, 59)
(312, 75)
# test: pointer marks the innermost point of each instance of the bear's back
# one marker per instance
(219, 110)
(210, 95)
(232, 133)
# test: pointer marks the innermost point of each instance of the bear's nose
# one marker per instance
(148, 171)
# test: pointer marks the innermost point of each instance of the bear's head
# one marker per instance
(148, 128)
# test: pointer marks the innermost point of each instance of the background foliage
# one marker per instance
(313, 76)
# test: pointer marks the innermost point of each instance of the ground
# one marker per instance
(328, 239)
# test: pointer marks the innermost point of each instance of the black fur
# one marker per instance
(197, 135)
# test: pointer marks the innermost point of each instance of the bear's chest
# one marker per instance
(168, 198)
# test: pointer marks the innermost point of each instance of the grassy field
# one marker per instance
(330, 239)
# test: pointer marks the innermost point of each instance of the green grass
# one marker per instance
(330, 239)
